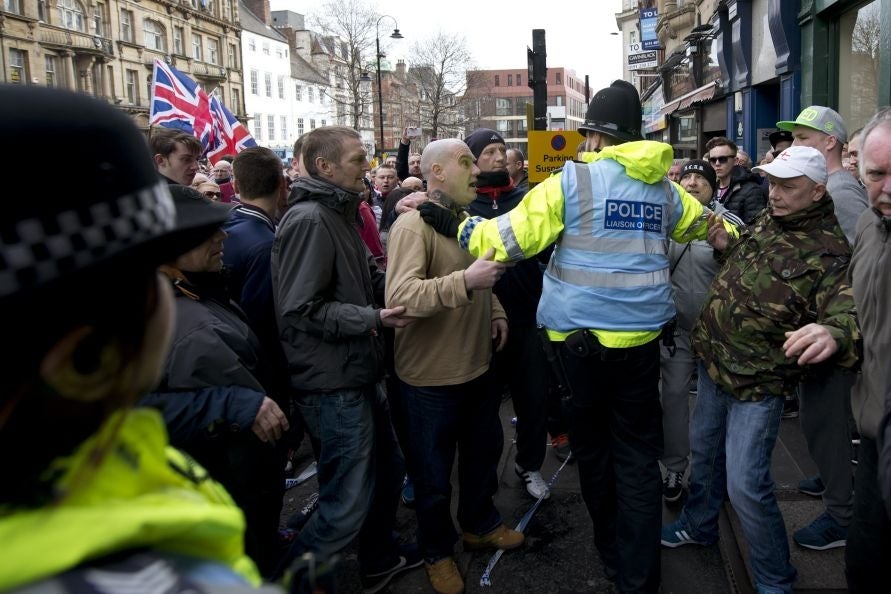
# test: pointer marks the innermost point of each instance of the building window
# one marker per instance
(196, 47)
(126, 26)
(510, 80)
(860, 32)
(17, 68)
(279, 53)
(236, 101)
(252, 44)
(310, 95)
(299, 126)
(51, 67)
(312, 124)
(321, 97)
(258, 126)
(132, 77)
(265, 49)
(502, 125)
(281, 87)
(213, 51)
(270, 126)
(153, 35)
(255, 84)
(324, 122)
(231, 60)
(502, 106)
(284, 122)
(71, 15)
(99, 19)
(179, 46)
(13, 6)
(559, 78)
(497, 80)
(519, 80)
(298, 93)
(267, 79)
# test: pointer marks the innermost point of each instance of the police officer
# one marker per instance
(605, 300)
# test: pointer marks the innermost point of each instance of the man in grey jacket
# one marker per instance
(869, 535)
(326, 288)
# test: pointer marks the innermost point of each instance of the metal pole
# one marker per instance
(380, 96)
(540, 88)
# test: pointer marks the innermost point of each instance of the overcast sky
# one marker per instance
(498, 33)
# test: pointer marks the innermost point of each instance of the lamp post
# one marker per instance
(380, 96)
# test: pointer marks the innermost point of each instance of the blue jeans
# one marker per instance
(360, 471)
(730, 433)
(439, 420)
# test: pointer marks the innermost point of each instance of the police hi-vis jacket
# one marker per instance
(611, 218)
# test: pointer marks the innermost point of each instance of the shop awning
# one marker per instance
(703, 93)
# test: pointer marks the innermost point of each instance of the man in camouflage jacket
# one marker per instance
(779, 306)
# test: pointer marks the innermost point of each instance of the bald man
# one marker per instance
(448, 400)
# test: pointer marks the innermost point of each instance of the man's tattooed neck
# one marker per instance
(440, 197)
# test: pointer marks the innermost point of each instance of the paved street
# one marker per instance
(559, 555)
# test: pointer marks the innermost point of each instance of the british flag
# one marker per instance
(229, 135)
(180, 102)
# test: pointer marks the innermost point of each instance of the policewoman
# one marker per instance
(606, 299)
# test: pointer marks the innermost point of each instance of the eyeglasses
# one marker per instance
(722, 159)
(213, 195)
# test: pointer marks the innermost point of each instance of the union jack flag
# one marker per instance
(229, 135)
(180, 102)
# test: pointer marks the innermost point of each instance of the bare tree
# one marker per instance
(348, 25)
(438, 68)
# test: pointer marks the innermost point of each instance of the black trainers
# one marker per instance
(790, 407)
(377, 581)
(672, 489)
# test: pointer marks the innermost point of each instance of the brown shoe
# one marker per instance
(444, 576)
(500, 538)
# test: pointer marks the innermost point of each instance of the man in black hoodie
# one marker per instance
(739, 190)
(521, 364)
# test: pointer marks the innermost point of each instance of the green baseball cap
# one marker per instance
(822, 119)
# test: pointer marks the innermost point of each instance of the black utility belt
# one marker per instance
(583, 343)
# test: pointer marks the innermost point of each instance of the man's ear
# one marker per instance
(323, 166)
(436, 171)
(81, 366)
(158, 159)
(235, 185)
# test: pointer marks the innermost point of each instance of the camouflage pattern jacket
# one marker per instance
(781, 274)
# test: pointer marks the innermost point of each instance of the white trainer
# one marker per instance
(535, 484)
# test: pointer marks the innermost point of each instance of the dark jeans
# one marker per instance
(360, 474)
(523, 367)
(616, 436)
(439, 420)
(869, 536)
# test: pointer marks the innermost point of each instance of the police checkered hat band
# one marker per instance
(110, 210)
(37, 250)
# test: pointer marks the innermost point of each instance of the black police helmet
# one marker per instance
(615, 111)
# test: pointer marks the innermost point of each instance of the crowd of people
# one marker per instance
(180, 329)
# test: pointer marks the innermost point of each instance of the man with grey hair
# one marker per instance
(869, 535)
(448, 399)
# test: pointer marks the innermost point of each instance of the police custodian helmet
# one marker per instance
(615, 111)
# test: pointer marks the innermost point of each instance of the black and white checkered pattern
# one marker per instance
(38, 250)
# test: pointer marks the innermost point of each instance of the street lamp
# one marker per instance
(380, 99)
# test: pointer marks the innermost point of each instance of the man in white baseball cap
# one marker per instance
(823, 396)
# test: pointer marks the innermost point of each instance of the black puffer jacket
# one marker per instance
(745, 197)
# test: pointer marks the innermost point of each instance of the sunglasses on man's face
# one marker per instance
(213, 195)
(722, 159)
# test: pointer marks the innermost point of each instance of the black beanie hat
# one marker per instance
(615, 111)
(480, 138)
(704, 169)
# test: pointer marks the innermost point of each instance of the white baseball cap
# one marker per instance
(796, 161)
